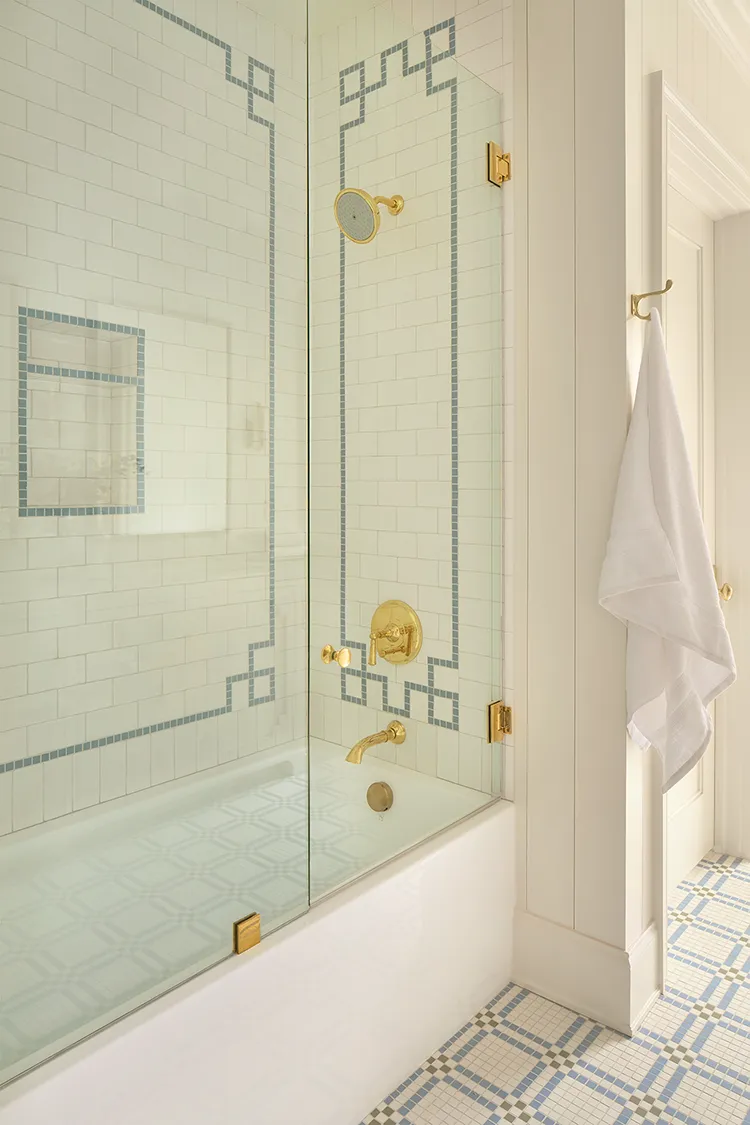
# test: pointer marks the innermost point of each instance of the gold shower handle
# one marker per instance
(392, 633)
(343, 657)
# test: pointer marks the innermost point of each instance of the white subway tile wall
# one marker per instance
(411, 376)
(152, 394)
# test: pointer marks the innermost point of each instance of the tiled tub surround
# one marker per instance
(103, 910)
(406, 389)
(152, 396)
(525, 1059)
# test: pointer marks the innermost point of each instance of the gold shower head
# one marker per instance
(357, 212)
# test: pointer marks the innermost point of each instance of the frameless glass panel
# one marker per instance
(153, 772)
(406, 392)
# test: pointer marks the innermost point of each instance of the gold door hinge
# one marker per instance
(246, 933)
(498, 164)
(500, 721)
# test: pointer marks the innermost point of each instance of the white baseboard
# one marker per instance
(614, 986)
(645, 975)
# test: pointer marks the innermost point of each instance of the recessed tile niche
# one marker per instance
(80, 416)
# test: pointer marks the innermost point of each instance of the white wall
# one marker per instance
(703, 48)
(733, 546)
(589, 872)
(135, 192)
(577, 855)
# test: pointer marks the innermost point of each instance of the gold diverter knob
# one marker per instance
(343, 657)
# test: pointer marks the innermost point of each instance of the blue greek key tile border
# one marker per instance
(359, 94)
(25, 368)
(266, 92)
(250, 677)
(258, 690)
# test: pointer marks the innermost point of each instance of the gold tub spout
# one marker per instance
(394, 732)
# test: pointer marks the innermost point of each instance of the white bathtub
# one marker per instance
(347, 838)
(333, 1010)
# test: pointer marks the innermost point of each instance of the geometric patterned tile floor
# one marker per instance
(524, 1059)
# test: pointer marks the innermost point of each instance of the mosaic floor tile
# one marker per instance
(525, 1059)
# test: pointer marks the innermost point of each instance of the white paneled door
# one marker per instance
(689, 328)
(733, 525)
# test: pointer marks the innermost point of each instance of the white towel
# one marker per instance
(658, 579)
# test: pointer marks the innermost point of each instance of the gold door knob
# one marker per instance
(725, 592)
(343, 657)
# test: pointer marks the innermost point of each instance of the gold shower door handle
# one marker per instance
(343, 657)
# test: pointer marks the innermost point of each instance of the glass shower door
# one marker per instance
(406, 393)
(153, 756)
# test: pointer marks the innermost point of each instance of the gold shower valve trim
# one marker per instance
(342, 657)
(395, 633)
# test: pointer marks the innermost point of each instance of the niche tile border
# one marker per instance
(359, 94)
(25, 368)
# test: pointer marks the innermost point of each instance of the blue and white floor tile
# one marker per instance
(525, 1059)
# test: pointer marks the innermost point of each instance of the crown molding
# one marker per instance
(729, 23)
(696, 164)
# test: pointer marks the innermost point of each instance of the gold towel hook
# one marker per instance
(636, 298)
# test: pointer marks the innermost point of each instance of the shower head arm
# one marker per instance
(394, 203)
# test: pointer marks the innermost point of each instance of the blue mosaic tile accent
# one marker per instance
(260, 84)
(249, 677)
(261, 682)
(25, 368)
(524, 1059)
(353, 88)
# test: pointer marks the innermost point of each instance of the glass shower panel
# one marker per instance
(406, 458)
(153, 650)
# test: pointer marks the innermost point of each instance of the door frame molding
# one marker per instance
(685, 155)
